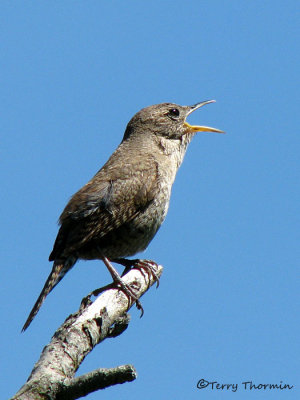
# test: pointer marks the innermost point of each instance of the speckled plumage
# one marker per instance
(118, 212)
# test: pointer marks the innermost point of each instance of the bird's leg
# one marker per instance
(127, 290)
(146, 265)
(128, 264)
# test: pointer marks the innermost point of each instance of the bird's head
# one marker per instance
(167, 120)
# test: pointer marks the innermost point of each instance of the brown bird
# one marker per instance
(118, 212)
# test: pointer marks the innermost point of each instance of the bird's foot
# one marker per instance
(143, 265)
(130, 294)
(126, 289)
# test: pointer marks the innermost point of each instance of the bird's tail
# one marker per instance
(59, 270)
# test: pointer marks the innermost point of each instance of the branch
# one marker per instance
(52, 377)
(99, 379)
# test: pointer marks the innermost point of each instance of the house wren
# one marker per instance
(118, 212)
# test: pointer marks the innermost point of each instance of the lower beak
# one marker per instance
(198, 128)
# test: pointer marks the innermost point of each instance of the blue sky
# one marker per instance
(72, 75)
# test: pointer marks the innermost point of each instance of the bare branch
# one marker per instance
(53, 375)
(99, 379)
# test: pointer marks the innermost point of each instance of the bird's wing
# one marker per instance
(110, 199)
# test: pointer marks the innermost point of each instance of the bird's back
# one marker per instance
(119, 210)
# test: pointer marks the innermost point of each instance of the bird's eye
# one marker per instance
(174, 112)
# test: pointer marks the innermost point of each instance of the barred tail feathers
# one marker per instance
(58, 272)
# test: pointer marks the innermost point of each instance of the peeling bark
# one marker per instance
(52, 377)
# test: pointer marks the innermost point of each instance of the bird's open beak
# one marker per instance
(197, 128)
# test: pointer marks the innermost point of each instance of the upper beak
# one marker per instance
(197, 128)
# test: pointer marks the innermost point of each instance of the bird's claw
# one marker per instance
(150, 268)
(131, 296)
(146, 265)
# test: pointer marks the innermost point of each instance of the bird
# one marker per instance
(118, 212)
